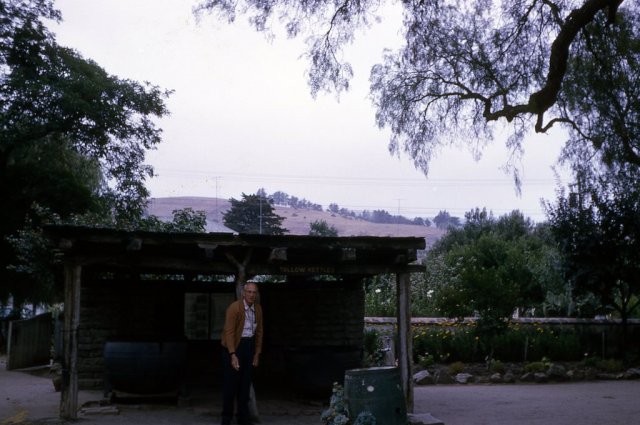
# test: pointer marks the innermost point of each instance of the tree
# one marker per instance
(185, 220)
(488, 269)
(464, 65)
(36, 277)
(603, 92)
(72, 137)
(253, 214)
(598, 229)
(322, 228)
(444, 220)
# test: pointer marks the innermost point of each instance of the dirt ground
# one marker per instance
(28, 398)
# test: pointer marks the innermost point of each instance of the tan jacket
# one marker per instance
(233, 324)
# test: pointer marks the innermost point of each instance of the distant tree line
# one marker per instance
(284, 199)
(443, 220)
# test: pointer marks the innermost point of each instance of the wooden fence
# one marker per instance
(29, 342)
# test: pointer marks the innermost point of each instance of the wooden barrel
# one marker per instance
(376, 390)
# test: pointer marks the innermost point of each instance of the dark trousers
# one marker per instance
(237, 383)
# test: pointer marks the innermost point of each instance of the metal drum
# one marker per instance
(144, 367)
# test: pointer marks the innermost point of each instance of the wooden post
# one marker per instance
(405, 342)
(69, 396)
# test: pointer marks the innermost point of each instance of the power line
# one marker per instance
(356, 181)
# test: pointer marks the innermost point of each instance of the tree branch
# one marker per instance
(545, 98)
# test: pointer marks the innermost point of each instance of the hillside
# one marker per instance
(297, 221)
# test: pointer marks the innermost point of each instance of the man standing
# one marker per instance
(242, 345)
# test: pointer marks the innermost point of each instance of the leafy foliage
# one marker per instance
(337, 413)
(454, 341)
(487, 269)
(322, 228)
(603, 91)
(372, 348)
(465, 65)
(444, 220)
(37, 278)
(72, 140)
(598, 230)
(253, 214)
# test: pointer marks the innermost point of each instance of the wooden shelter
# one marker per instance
(108, 270)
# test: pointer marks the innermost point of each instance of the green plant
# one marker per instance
(336, 414)
(373, 351)
(535, 367)
(591, 361)
(610, 365)
(456, 367)
(365, 418)
(426, 360)
(496, 366)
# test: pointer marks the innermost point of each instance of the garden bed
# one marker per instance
(534, 372)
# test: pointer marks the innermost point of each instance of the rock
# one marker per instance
(556, 372)
(464, 378)
(633, 373)
(508, 378)
(527, 377)
(482, 379)
(609, 376)
(442, 377)
(590, 374)
(540, 377)
(496, 378)
(575, 375)
(423, 378)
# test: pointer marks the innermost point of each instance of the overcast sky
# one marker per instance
(242, 117)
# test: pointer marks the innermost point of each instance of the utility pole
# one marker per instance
(398, 218)
(260, 214)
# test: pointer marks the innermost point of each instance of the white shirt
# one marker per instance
(249, 320)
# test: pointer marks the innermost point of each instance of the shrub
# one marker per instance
(336, 414)
(535, 367)
(372, 348)
(496, 366)
(610, 365)
(591, 361)
(426, 360)
(456, 368)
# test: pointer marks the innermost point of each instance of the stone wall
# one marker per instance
(306, 323)
(124, 311)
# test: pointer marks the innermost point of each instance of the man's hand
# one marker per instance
(235, 363)
(256, 359)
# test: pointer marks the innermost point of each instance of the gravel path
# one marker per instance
(585, 403)
(30, 399)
